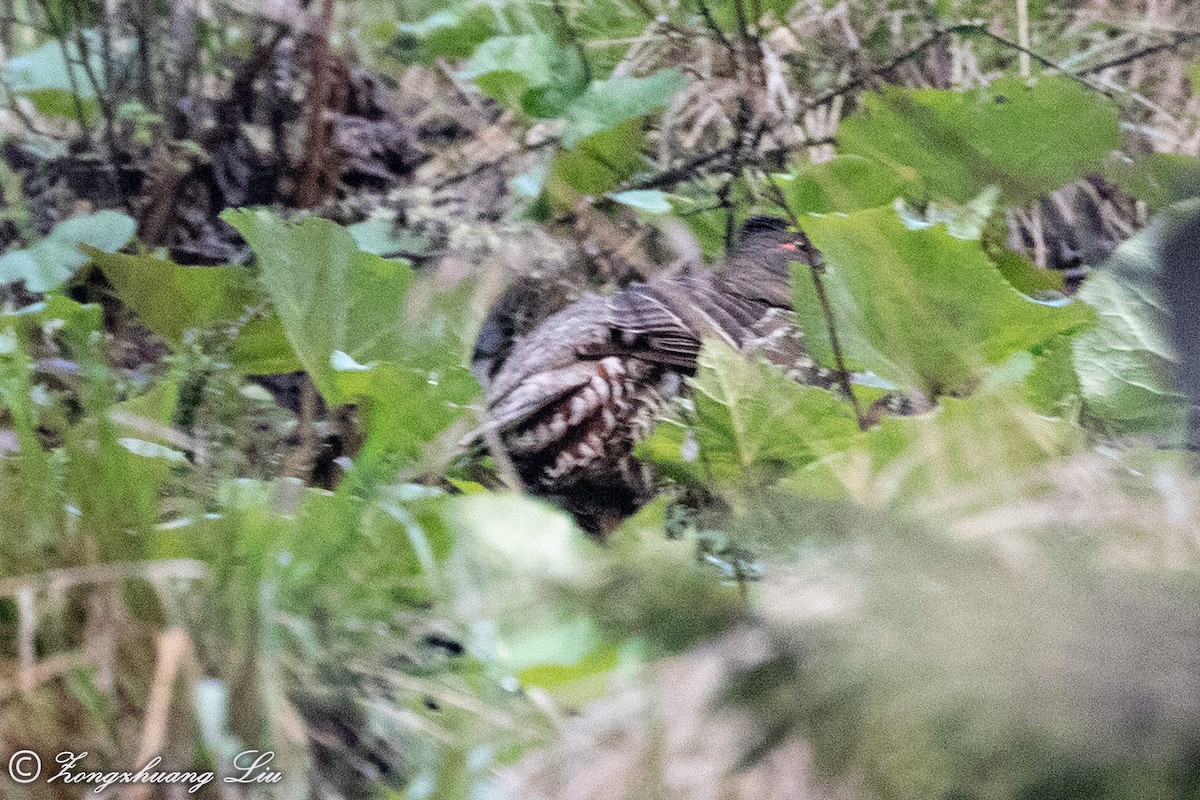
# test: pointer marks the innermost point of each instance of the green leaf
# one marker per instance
(921, 308)
(991, 439)
(1027, 140)
(1053, 386)
(261, 347)
(1159, 179)
(1026, 277)
(1126, 364)
(449, 33)
(752, 423)
(330, 296)
(648, 200)
(726, 12)
(607, 104)
(533, 72)
(404, 407)
(846, 183)
(170, 300)
(596, 164)
(362, 335)
(965, 221)
(50, 262)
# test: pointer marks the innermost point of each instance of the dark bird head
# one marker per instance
(759, 265)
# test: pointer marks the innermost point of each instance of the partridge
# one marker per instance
(575, 395)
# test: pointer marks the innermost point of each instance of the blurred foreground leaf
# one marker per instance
(49, 263)
(921, 308)
(1028, 140)
(1126, 364)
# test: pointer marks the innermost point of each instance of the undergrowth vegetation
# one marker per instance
(237, 512)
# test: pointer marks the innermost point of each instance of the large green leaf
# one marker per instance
(1027, 140)
(330, 296)
(990, 440)
(447, 33)
(534, 72)
(1126, 364)
(751, 423)
(596, 165)
(921, 308)
(847, 183)
(50, 262)
(170, 300)
(404, 407)
(365, 330)
(607, 104)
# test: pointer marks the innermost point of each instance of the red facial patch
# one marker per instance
(789, 246)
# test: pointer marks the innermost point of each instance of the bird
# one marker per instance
(577, 393)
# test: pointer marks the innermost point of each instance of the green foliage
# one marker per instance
(333, 298)
(846, 183)
(596, 164)
(903, 459)
(366, 331)
(931, 665)
(752, 423)
(1027, 140)
(1158, 179)
(921, 308)
(54, 76)
(533, 72)
(935, 630)
(1126, 364)
(171, 300)
(607, 104)
(52, 261)
(450, 33)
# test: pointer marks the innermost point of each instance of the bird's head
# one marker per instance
(759, 264)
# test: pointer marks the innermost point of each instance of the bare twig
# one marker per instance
(1023, 36)
(1175, 41)
(864, 78)
(693, 167)
(481, 168)
(1046, 62)
(314, 169)
(573, 38)
(815, 269)
(711, 22)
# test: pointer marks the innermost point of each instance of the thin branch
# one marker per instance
(911, 53)
(711, 22)
(815, 269)
(691, 168)
(1023, 36)
(1046, 62)
(479, 169)
(1176, 40)
(315, 171)
(576, 44)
